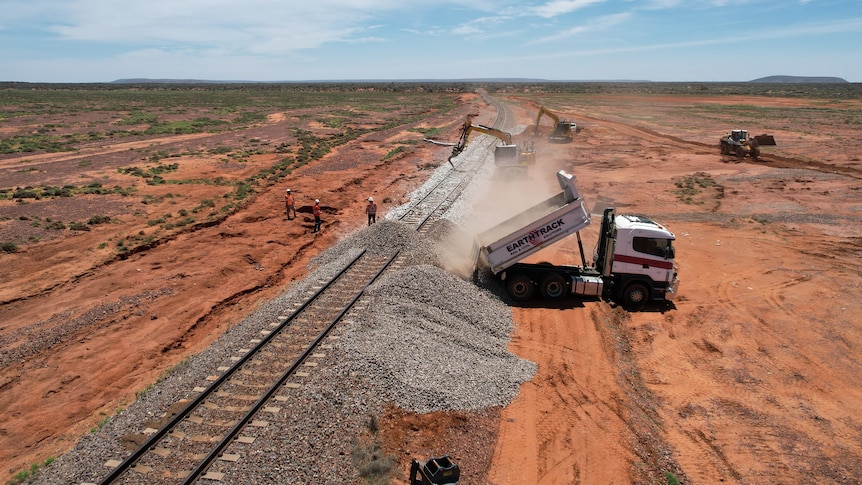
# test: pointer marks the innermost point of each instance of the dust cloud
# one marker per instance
(496, 196)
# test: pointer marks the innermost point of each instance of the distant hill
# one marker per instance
(763, 80)
(209, 81)
(799, 80)
(172, 81)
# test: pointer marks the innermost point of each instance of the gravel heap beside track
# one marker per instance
(429, 340)
(435, 342)
(426, 341)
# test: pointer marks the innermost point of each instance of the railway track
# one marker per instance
(202, 439)
(185, 448)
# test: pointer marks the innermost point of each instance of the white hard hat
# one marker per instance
(316, 201)
(288, 190)
(371, 199)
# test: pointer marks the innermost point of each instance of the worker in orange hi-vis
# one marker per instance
(289, 204)
(315, 210)
(371, 210)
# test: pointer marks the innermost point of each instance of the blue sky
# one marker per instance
(290, 40)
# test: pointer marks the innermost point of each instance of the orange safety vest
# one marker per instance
(288, 200)
(315, 210)
(371, 209)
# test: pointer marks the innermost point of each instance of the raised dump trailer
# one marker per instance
(633, 263)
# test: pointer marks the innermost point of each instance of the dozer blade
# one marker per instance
(765, 139)
(506, 155)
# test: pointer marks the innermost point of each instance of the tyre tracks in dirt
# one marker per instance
(770, 160)
(748, 379)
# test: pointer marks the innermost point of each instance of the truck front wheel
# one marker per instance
(553, 287)
(520, 287)
(635, 296)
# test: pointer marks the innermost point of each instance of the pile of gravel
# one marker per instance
(429, 340)
(433, 342)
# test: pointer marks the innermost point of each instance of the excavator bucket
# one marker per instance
(765, 139)
(506, 155)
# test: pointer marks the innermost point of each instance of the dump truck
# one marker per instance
(507, 155)
(632, 265)
(563, 129)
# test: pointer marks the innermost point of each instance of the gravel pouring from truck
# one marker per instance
(633, 263)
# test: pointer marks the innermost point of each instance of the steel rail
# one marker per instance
(229, 437)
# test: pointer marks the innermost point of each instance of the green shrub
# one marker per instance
(78, 226)
(95, 220)
(25, 193)
(8, 247)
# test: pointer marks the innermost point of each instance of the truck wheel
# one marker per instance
(553, 287)
(740, 151)
(521, 288)
(725, 150)
(635, 296)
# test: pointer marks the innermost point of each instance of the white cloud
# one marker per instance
(243, 26)
(282, 40)
(467, 29)
(555, 8)
(599, 24)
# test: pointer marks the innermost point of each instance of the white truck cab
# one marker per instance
(645, 247)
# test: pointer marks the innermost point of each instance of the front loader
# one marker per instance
(738, 143)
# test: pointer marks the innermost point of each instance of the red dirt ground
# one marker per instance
(752, 377)
(109, 327)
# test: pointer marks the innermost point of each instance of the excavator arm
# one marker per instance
(545, 111)
(468, 128)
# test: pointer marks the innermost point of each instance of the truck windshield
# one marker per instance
(654, 246)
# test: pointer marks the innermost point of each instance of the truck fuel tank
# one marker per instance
(587, 285)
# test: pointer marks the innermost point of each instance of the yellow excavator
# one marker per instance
(563, 129)
(505, 155)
